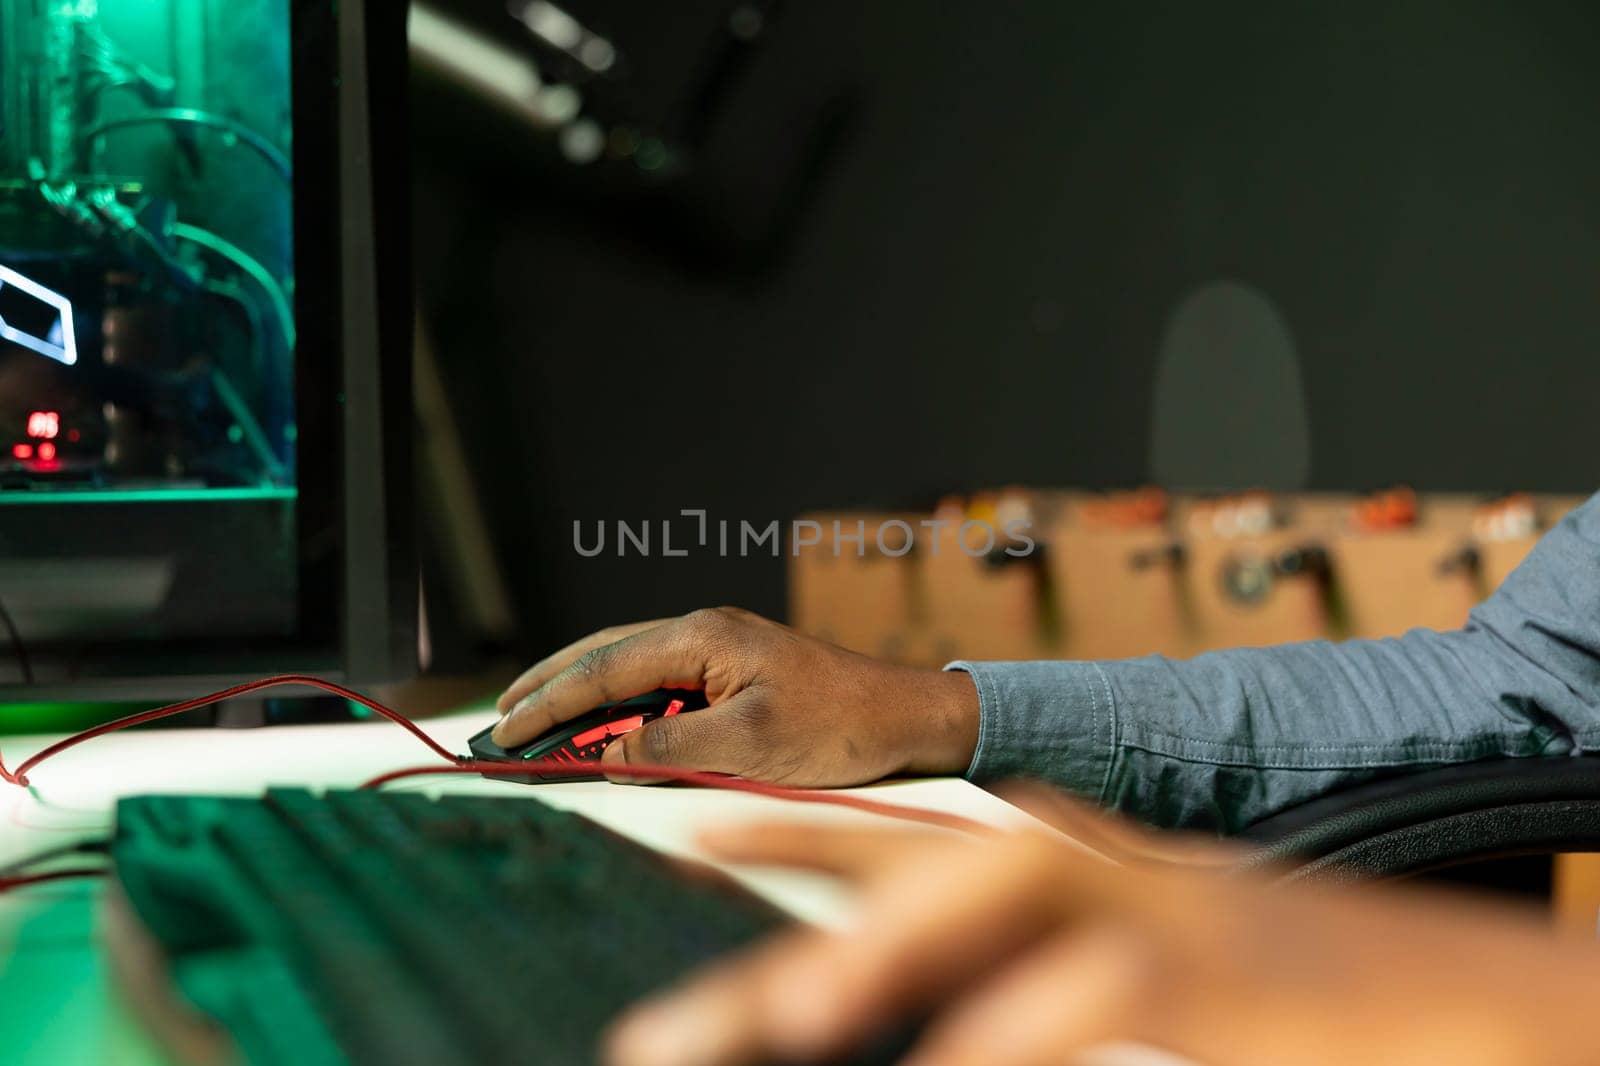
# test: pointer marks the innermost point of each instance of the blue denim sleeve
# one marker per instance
(1226, 738)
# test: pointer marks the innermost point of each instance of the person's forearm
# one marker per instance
(1224, 739)
(1228, 737)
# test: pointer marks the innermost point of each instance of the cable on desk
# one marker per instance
(18, 648)
(700, 778)
(461, 764)
(19, 776)
(80, 847)
(8, 883)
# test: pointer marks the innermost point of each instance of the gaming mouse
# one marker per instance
(584, 738)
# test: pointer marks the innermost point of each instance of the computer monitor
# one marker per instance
(205, 323)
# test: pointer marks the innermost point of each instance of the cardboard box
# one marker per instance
(1394, 580)
(975, 609)
(1117, 593)
(1239, 601)
(1425, 576)
(851, 593)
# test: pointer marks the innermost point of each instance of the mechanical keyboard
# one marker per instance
(391, 928)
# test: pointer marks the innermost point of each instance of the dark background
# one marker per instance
(969, 283)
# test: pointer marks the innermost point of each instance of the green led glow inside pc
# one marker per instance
(203, 347)
(146, 194)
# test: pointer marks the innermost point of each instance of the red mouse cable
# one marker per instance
(463, 764)
(8, 883)
(701, 778)
(19, 776)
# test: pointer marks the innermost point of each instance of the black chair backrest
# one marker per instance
(1423, 821)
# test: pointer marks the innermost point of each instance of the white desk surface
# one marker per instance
(57, 1004)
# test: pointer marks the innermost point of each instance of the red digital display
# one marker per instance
(47, 452)
(44, 425)
(22, 451)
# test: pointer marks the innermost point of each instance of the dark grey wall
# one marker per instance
(979, 292)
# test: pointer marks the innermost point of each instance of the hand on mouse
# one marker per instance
(783, 707)
(1022, 949)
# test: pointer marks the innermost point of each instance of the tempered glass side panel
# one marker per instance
(149, 439)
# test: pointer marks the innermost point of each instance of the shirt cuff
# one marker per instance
(1050, 720)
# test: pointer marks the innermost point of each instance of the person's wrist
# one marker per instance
(943, 716)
